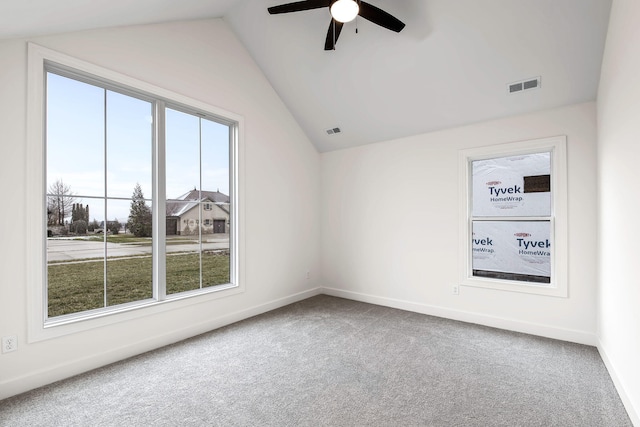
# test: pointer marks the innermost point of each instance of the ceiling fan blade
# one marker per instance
(332, 39)
(380, 17)
(299, 6)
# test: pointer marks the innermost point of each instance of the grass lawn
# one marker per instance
(75, 287)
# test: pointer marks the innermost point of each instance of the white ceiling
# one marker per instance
(450, 66)
(19, 18)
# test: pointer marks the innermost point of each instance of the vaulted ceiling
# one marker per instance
(450, 66)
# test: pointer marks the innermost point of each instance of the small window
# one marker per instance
(207, 206)
(515, 217)
(504, 245)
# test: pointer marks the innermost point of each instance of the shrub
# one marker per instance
(93, 225)
(114, 226)
(79, 226)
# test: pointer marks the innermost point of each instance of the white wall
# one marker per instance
(202, 60)
(390, 226)
(619, 202)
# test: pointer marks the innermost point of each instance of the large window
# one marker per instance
(138, 191)
(99, 154)
(514, 217)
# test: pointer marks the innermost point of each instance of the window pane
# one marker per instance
(183, 270)
(215, 178)
(182, 153)
(215, 157)
(75, 260)
(129, 144)
(197, 249)
(182, 187)
(75, 135)
(512, 186)
(129, 266)
(512, 250)
(183, 243)
(215, 246)
(75, 286)
(197, 218)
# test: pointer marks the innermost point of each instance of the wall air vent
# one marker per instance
(334, 130)
(533, 83)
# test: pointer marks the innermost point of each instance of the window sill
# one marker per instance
(72, 324)
(545, 289)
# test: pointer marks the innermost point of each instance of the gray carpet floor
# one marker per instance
(328, 361)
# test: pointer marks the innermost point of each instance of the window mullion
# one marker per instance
(233, 205)
(159, 203)
(106, 218)
(200, 198)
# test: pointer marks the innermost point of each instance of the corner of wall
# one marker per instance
(620, 385)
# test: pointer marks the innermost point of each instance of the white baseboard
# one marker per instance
(580, 337)
(634, 413)
(51, 374)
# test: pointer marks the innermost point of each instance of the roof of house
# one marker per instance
(214, 196)
(184, 203)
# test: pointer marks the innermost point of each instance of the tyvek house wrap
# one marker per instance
(499, 186)
(512, 247)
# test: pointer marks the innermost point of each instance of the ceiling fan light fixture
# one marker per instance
(344, 10)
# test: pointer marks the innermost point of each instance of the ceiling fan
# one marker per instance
(342, 11)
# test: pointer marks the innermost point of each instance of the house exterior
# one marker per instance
(184, 218)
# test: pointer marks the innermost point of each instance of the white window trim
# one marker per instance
(557, 145)
(38, 328)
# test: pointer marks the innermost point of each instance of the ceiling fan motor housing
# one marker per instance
(367, 11)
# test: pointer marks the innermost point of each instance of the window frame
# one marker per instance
(41, 328)
(558, 218)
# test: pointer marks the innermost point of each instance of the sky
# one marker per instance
(98, 154)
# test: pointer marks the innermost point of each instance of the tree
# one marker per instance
(79, 212)
(114, 226)
(139, 215)
(59, 202)
(79, 218)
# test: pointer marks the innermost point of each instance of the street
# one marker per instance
(61, 249)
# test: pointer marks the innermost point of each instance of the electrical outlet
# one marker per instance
(455, 290)
(308, 275)
(9, 344)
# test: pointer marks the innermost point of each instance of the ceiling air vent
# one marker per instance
(334, 130)
(523, 85)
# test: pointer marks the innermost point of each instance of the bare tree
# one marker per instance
(60, 200)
